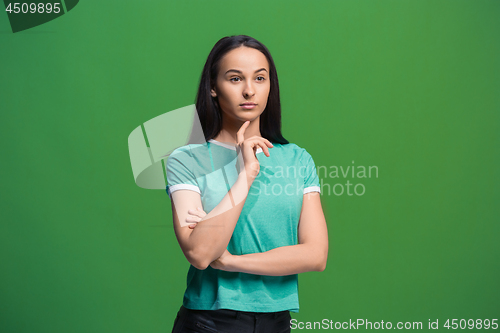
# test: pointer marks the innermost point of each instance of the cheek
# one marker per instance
(228, 94)
(264, 92)
(226, 101)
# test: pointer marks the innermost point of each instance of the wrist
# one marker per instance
(229, 263)
(246, 177)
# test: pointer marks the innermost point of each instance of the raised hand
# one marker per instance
(247, 148)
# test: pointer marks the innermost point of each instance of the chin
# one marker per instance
(250, 117)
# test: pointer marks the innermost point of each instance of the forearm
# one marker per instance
(280, 261)
(212, 234)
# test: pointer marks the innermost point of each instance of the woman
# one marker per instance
(265, 223)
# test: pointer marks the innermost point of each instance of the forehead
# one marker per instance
(245, 59)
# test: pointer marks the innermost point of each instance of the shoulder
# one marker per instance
(187, 150)
(185, 155)
(292, 149)
(181, 150)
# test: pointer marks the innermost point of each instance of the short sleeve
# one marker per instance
(311, 179)
(180, 174)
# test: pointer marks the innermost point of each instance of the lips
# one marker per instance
(248, 106)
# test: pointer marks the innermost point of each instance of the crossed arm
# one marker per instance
(309, 255)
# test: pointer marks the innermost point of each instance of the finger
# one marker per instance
(202, 212)
(194, 219)
(260, 142)
(240, 135)
(191, 226)
(265, 149)
(264, 140)
(195, 212)
(268, 143)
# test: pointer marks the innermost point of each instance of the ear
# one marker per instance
(213, 93)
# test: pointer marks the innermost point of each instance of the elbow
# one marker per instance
(198, 259)
(321, 264)
(199, 265)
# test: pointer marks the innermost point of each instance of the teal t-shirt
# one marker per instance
(269, 219)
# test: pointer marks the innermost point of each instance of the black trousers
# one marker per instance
(231, 321)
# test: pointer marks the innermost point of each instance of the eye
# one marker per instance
(234, 78)
(261, 77)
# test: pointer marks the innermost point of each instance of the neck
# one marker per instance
(230, 128)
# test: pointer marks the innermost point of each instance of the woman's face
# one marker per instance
(243, 78)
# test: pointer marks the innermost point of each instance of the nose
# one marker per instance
(248, 90)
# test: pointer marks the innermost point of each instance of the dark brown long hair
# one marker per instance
(208, 108)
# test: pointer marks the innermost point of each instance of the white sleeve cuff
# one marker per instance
(174, 188)
(312, 189)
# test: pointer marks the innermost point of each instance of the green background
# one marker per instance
(412, 87)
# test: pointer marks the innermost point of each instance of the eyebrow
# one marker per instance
(239, 72)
